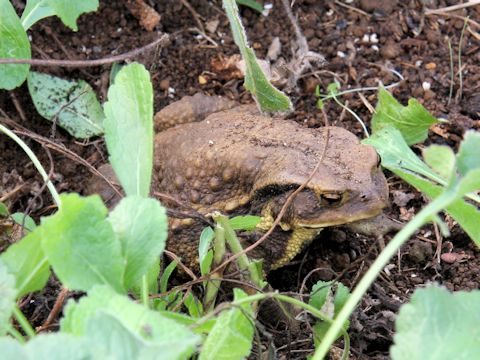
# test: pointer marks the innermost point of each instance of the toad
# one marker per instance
(238, 161)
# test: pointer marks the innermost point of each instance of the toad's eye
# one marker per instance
(331, 199)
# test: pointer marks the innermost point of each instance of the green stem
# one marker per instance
(144, 291)
(218, 244)
(422, 217)
(35, 161)
(15, 333)
(353, 114)
(22, 320)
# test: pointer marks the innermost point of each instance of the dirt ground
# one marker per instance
(362, 41)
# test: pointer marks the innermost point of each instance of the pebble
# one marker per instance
(390, 50)
(164, 84)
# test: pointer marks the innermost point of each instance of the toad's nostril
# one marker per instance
(363, 197)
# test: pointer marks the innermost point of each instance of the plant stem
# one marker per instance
(420, 219)
(36, 163)
(15, 333)
(22, 320)
(144, 291)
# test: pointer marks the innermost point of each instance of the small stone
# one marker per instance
(390, 50)
(202, 80)
(429, 95)
(164, 84)
(430, 66)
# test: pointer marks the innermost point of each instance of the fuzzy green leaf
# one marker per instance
(141, 226)
(177, 340)
(437, 325)
(34, 11)
(72, 105)
(268, 98)
(26, 260)
(232, 335)
(441, 159)
(81, 245)
(13, 44)
(467, 157)
(412, 121)
(129, 128)
(7, 297)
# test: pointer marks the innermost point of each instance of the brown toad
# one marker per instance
(239, 162)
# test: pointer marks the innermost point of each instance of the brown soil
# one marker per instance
(360, 46)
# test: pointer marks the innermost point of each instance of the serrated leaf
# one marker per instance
(129, 120)
(251, 4)
(8, 295)
(177, 340)
(467, 156)
(69, 11)
(438, 325)
(26, 260)
(14, 44)
(141, 226)
(268, 98)
(73, 105)
(81, 246)
(244, 222)
(441, 159)
(412, 120)
(232, 334)
(24, 220)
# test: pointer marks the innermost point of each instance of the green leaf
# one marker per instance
(166, 275)
(8, 295)
(3, 210)
(129, 121)
(26, 260)
(12, 349)
(141, 226)
(467, 156)
(244, 222)
(34, 11)
(396, 154)
(441, 159)
(81, 245)
(57, 346)
(268, 98)
(152, 280)
(438, 325)
(329, 297)
(194, 306)
(72, 105)
(24, 220)
(232, 334)
(54, 346)
(14, 44)
(401, 160)
(176, 339)
(469, 183)
(205, 254)
(412, 121)
(202, 328)
(251, 4)
(66, 10)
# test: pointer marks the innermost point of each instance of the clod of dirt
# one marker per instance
(401, 198)
(471, 106)
(420, 252)
(378, 5)
(390, 50)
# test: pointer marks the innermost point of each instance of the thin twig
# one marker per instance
(452, 8)
(161, 41)
(55, 311)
